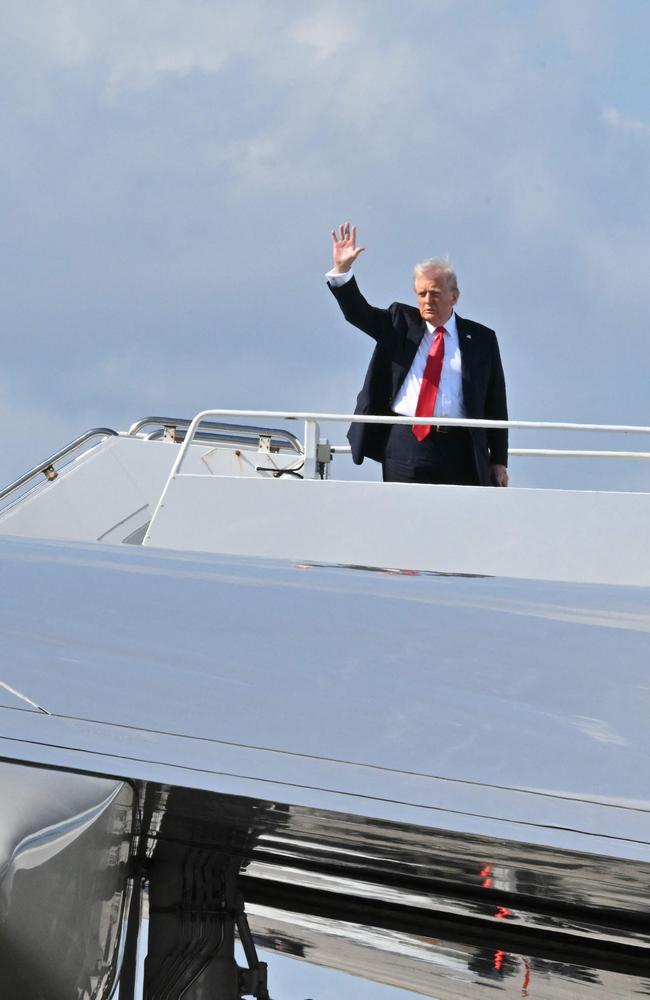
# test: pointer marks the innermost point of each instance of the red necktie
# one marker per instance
(430, 383)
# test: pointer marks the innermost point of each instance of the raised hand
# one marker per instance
(344, 247)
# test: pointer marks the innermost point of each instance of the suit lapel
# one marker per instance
(468, 358)
(415, 331)
(464, 336)
(414, 334)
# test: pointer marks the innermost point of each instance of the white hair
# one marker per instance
(441, 265)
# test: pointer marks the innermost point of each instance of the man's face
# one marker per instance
(436, 300)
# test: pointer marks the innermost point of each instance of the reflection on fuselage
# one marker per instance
(390, 963)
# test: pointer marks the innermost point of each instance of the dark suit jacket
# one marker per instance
(398, 331)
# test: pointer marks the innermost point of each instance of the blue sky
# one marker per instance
(171, 172)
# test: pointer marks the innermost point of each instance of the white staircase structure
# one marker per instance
(214, 485)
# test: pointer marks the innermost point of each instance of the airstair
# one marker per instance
(229, 483)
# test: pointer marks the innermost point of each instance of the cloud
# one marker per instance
(619, 122)
(132, 45)
(327, 32)
(171, 171)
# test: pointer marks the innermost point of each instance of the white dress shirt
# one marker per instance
(449, 401)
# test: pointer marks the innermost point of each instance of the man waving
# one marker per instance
(427, 362)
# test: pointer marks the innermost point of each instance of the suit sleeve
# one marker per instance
(377, 323)
(496, 408)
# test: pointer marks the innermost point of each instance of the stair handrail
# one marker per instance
(247, 430)
(47, 466)
(316, 418)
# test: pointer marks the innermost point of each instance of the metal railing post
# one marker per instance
(178, 464)
(312, 434)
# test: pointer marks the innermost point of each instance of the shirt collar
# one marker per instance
(450, 326)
